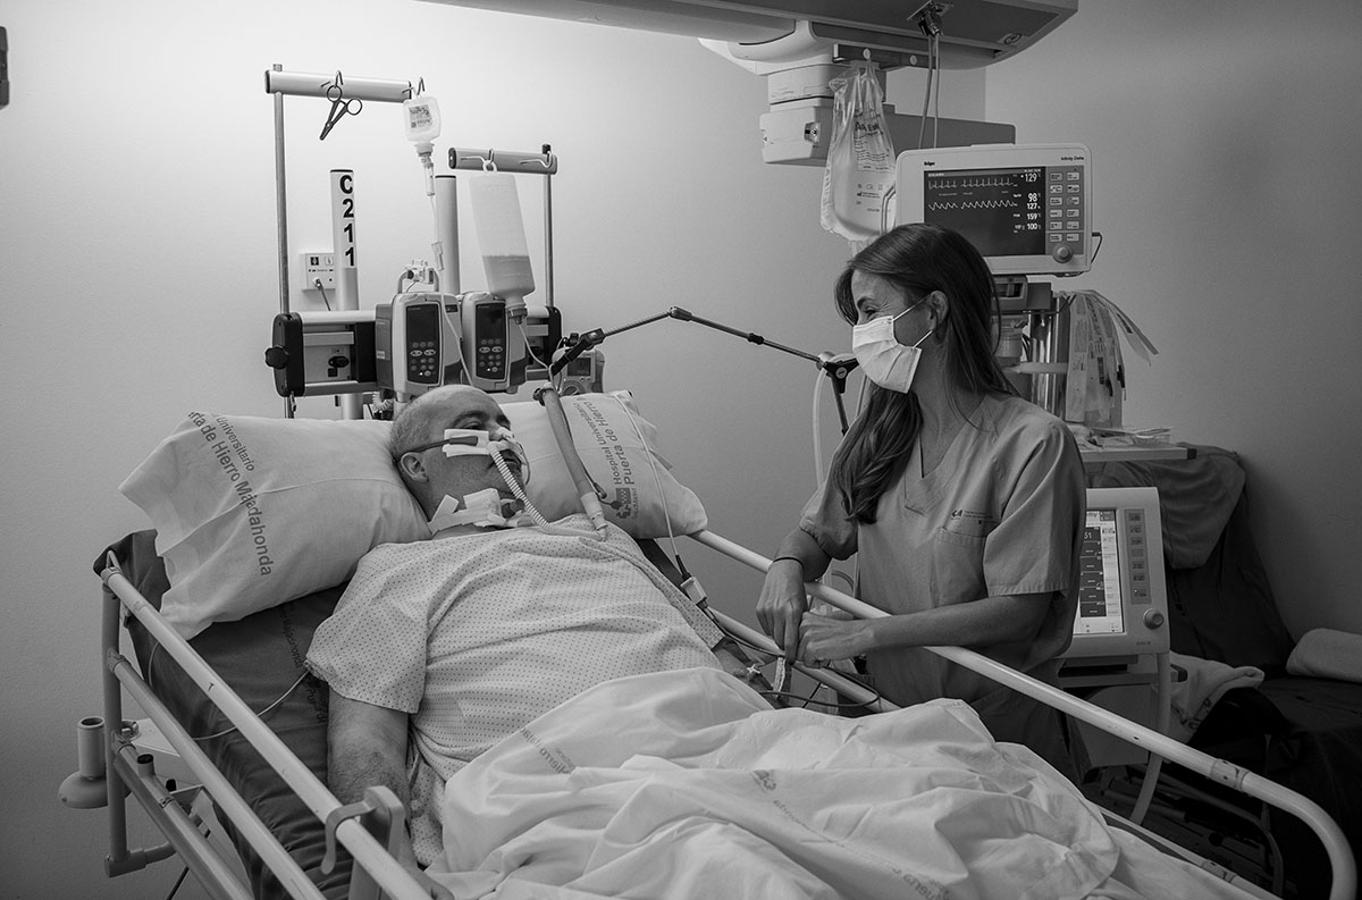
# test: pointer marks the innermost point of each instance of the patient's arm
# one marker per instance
(366, 745)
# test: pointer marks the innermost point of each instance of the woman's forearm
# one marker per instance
(800, 546)
(978, 623)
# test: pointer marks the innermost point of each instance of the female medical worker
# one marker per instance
(963, 501)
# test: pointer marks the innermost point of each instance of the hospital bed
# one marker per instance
(249, 726)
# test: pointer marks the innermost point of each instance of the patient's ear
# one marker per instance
(412, 468)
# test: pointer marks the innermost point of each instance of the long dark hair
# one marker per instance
(919, 259)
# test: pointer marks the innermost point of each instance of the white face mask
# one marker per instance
(884, 360)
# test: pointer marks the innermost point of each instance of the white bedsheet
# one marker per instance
(686, 784)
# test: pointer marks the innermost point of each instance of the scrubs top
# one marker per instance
(1001, 514)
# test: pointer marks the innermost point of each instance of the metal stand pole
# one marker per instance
(835, 367)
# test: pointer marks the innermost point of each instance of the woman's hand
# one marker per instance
(782, 603)
(824, 638)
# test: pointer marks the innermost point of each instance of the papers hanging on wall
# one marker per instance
(1095, 380)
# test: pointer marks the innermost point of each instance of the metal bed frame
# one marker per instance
(372, 829)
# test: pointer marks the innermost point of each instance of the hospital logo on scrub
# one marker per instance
(765, 779)
(971, 523)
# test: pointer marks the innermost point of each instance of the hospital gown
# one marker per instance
(475, 635)
(1002, 513)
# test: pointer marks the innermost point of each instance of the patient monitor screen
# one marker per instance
(1099, 586)
(1009, 212)
(998, 209)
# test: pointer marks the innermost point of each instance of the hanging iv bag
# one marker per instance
(860, 166)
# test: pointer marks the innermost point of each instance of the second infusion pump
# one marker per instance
(1026, 207)
(423, 340)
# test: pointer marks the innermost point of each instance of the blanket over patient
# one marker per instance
(686, 784)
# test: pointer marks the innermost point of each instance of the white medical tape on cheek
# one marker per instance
(466, 442)
(475, 442)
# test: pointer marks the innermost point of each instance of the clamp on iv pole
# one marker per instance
(836, 366)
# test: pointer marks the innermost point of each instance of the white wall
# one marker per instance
(137, 272)
(1224, 138)
(138, 277)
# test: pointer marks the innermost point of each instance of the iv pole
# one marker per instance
(836, 367)
(302, 84)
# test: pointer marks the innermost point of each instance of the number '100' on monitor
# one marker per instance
(1122, 597)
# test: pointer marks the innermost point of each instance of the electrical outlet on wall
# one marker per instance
(318, 265)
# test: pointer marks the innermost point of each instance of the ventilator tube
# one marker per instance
(581, 480)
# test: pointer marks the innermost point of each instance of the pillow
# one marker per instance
(613, 441)
(251, 512)
(1327, 653)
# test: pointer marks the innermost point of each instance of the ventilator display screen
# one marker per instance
(1122, 604)
(1099, 580)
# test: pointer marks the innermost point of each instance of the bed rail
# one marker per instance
(372, 860)
(1344, 882)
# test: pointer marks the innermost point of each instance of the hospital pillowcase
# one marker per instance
(251, 512)
(613, 441)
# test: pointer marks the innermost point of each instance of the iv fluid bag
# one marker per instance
(501, 237)
(860, 165)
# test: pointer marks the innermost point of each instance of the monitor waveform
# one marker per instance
(985, 181)
(944, 205)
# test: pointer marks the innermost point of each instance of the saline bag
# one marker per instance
(860, 165)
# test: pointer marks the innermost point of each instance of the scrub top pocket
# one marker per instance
(957, 567)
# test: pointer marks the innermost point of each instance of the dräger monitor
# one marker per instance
(1027, 207)
(1122, 597)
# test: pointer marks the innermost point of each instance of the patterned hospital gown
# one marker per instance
(476, 635)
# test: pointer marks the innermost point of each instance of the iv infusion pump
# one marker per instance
(424, 340)
(418, 341)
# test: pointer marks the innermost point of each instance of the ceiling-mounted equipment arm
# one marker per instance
(973, 32)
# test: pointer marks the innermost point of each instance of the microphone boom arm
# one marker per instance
(836, 367)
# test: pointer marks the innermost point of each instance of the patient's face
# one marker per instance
(458, 476)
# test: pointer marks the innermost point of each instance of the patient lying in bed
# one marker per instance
(551, 711)
(439, 649)
(549, 707)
